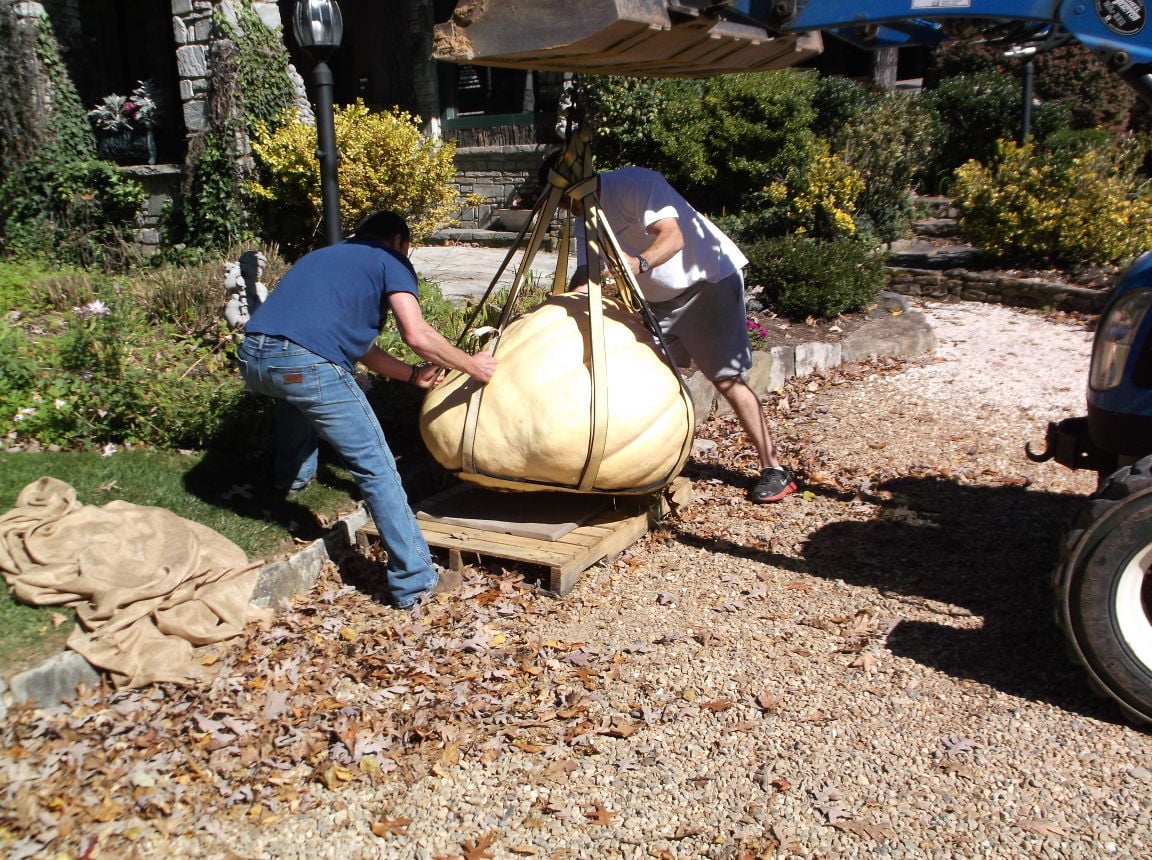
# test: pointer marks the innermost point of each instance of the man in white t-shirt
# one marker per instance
(690, 274)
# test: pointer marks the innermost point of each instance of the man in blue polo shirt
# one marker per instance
(302, 346)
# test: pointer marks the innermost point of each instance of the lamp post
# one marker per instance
(319, 28)
(1027, 53)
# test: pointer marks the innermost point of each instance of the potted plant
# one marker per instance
(125, 125)
(517, 214)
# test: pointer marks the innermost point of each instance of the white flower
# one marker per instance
(94, 308)
(59, 404)
(24, 413)
(108, 450)
(122, 113)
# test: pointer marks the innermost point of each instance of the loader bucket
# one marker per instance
(654, 38)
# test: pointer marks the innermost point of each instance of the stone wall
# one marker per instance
(497, 174)
(995, 286)
(192, 26)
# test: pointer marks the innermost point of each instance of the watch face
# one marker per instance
(644, 265)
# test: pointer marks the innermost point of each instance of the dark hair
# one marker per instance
(384, 225)
(546, 167)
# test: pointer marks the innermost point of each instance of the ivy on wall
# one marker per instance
(248, 87)
(56, 198)
(260, 67)
(21, 125)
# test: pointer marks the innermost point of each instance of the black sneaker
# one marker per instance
(775, 483)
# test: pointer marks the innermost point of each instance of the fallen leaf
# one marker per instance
(1041, 827)
(767, 701)
(386, 827)
(479, 849)
(720, 705)
(599, 815)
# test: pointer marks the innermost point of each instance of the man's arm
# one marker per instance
(428, 343)
(667, 242)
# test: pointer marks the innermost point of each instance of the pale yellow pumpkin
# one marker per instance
(533, 420)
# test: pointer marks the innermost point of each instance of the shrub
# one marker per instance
(79, 212)
(801, 277)
(820, 202)
(886, 138)
(1082, 205)
(1092, 96)
(142, 360)
(722, 141)
(977, 111)
(386, 163)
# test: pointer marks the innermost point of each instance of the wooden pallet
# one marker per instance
(563, 559)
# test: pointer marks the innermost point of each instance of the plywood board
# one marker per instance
(544, 516)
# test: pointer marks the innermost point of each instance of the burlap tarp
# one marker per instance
(147, 585)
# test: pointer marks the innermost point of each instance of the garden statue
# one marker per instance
(242, 283)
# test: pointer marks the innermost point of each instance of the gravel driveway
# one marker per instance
(867, 669)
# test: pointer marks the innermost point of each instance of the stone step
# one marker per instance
(940, 228)
(922, 254)
(933, 207)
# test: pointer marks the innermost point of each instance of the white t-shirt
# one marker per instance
(632, 199)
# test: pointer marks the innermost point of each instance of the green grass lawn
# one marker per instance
(222, 491)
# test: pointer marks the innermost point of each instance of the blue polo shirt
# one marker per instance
(334, 300)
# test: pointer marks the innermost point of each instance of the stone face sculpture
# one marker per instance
(242, 283)
(537, 425)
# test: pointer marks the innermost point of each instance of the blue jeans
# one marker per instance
(318, 399)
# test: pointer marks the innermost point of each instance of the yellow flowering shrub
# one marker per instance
(1034, 206)
(385, 163)
(821, 200)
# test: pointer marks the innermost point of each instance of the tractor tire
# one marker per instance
(1103, 588)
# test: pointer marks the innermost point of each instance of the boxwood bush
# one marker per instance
(803, 277)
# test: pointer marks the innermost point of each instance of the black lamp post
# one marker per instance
(1027, 53)
(319, 28)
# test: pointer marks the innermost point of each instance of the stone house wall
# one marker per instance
(498, 175)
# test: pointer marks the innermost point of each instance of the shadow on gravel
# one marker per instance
(982, 551)
(988, 550)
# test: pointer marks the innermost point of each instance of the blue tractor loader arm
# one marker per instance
(1103, 584)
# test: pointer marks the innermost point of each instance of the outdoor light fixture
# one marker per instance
(319, 28)
(1025, 52)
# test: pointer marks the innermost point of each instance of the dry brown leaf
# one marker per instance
(718, 706)
(479, 849)
(1041, 827)
(599, 815)
(386, 827)
(768, 702)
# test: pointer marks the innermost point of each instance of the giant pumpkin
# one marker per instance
(564, 410)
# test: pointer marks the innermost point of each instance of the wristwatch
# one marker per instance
(643, 264)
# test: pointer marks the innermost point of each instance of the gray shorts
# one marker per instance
(707, 325)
